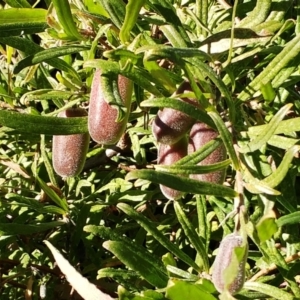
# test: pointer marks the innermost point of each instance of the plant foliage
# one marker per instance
(110, 229)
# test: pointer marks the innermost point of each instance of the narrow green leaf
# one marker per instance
(115, 273)
(138, 75)
(61, 202)
(197, 156)
(255, 186)
(274, 255)
(281, 60)
(47, 94)
(152, 229)
(182, 184)
(137, 262)
(284, 127)
(18, 3)
(221, 41)
(173, 36)
(80, 223)
(45, 55)
(282, 8)
(194, 74)
(226, 137)
(192, 235)
(268, 131)
(43, 125)
(162, 75)
(123, 277)
(122, 54)
(133, 8)
(282, 142)
(27, 229)
(30, 48)
(109, 234)
(204, 227)
(187, 169)
(168, 12)
(269, 290)
(107, 67)
(94, 7)
(51, 209)
(181, 273)
(19, 21)
(190, 71)
(257, 15)
(26, 201)
(47, 162)
(112, 96)
(33, 204)
(155, 52)
(26, 15)
(293, 218)
(63, 10)
(276, 177)
(142, 78)
(207, 71)
(116, 11)
(185, 107)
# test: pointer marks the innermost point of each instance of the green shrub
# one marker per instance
(111, 222)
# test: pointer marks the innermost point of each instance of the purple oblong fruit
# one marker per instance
(170, 125)
(168, 155)
(224, 259)
(69, 151)
(102, 124)
(201, 134)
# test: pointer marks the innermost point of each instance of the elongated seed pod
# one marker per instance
(167, 155)
(69, 151)
(102, 124)
(201, 134)
(170, 125)
(223, 261)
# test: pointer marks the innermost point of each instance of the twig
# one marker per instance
(43, 269)
(224, 4)
(273, 267)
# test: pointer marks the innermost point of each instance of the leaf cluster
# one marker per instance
(111, 222)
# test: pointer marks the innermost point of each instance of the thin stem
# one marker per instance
(224, 4)
(273, 267)
(227, 62)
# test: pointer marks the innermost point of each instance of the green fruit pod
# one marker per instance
(170, 125)
(102, 124)
(69, 151)
(228, 270)
(168, 155)
(201, 134)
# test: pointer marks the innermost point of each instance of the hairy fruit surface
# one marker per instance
(201, 134)
(167, 155)
(102, 124)
(224, 266)
(170, 125)
(69, 151)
